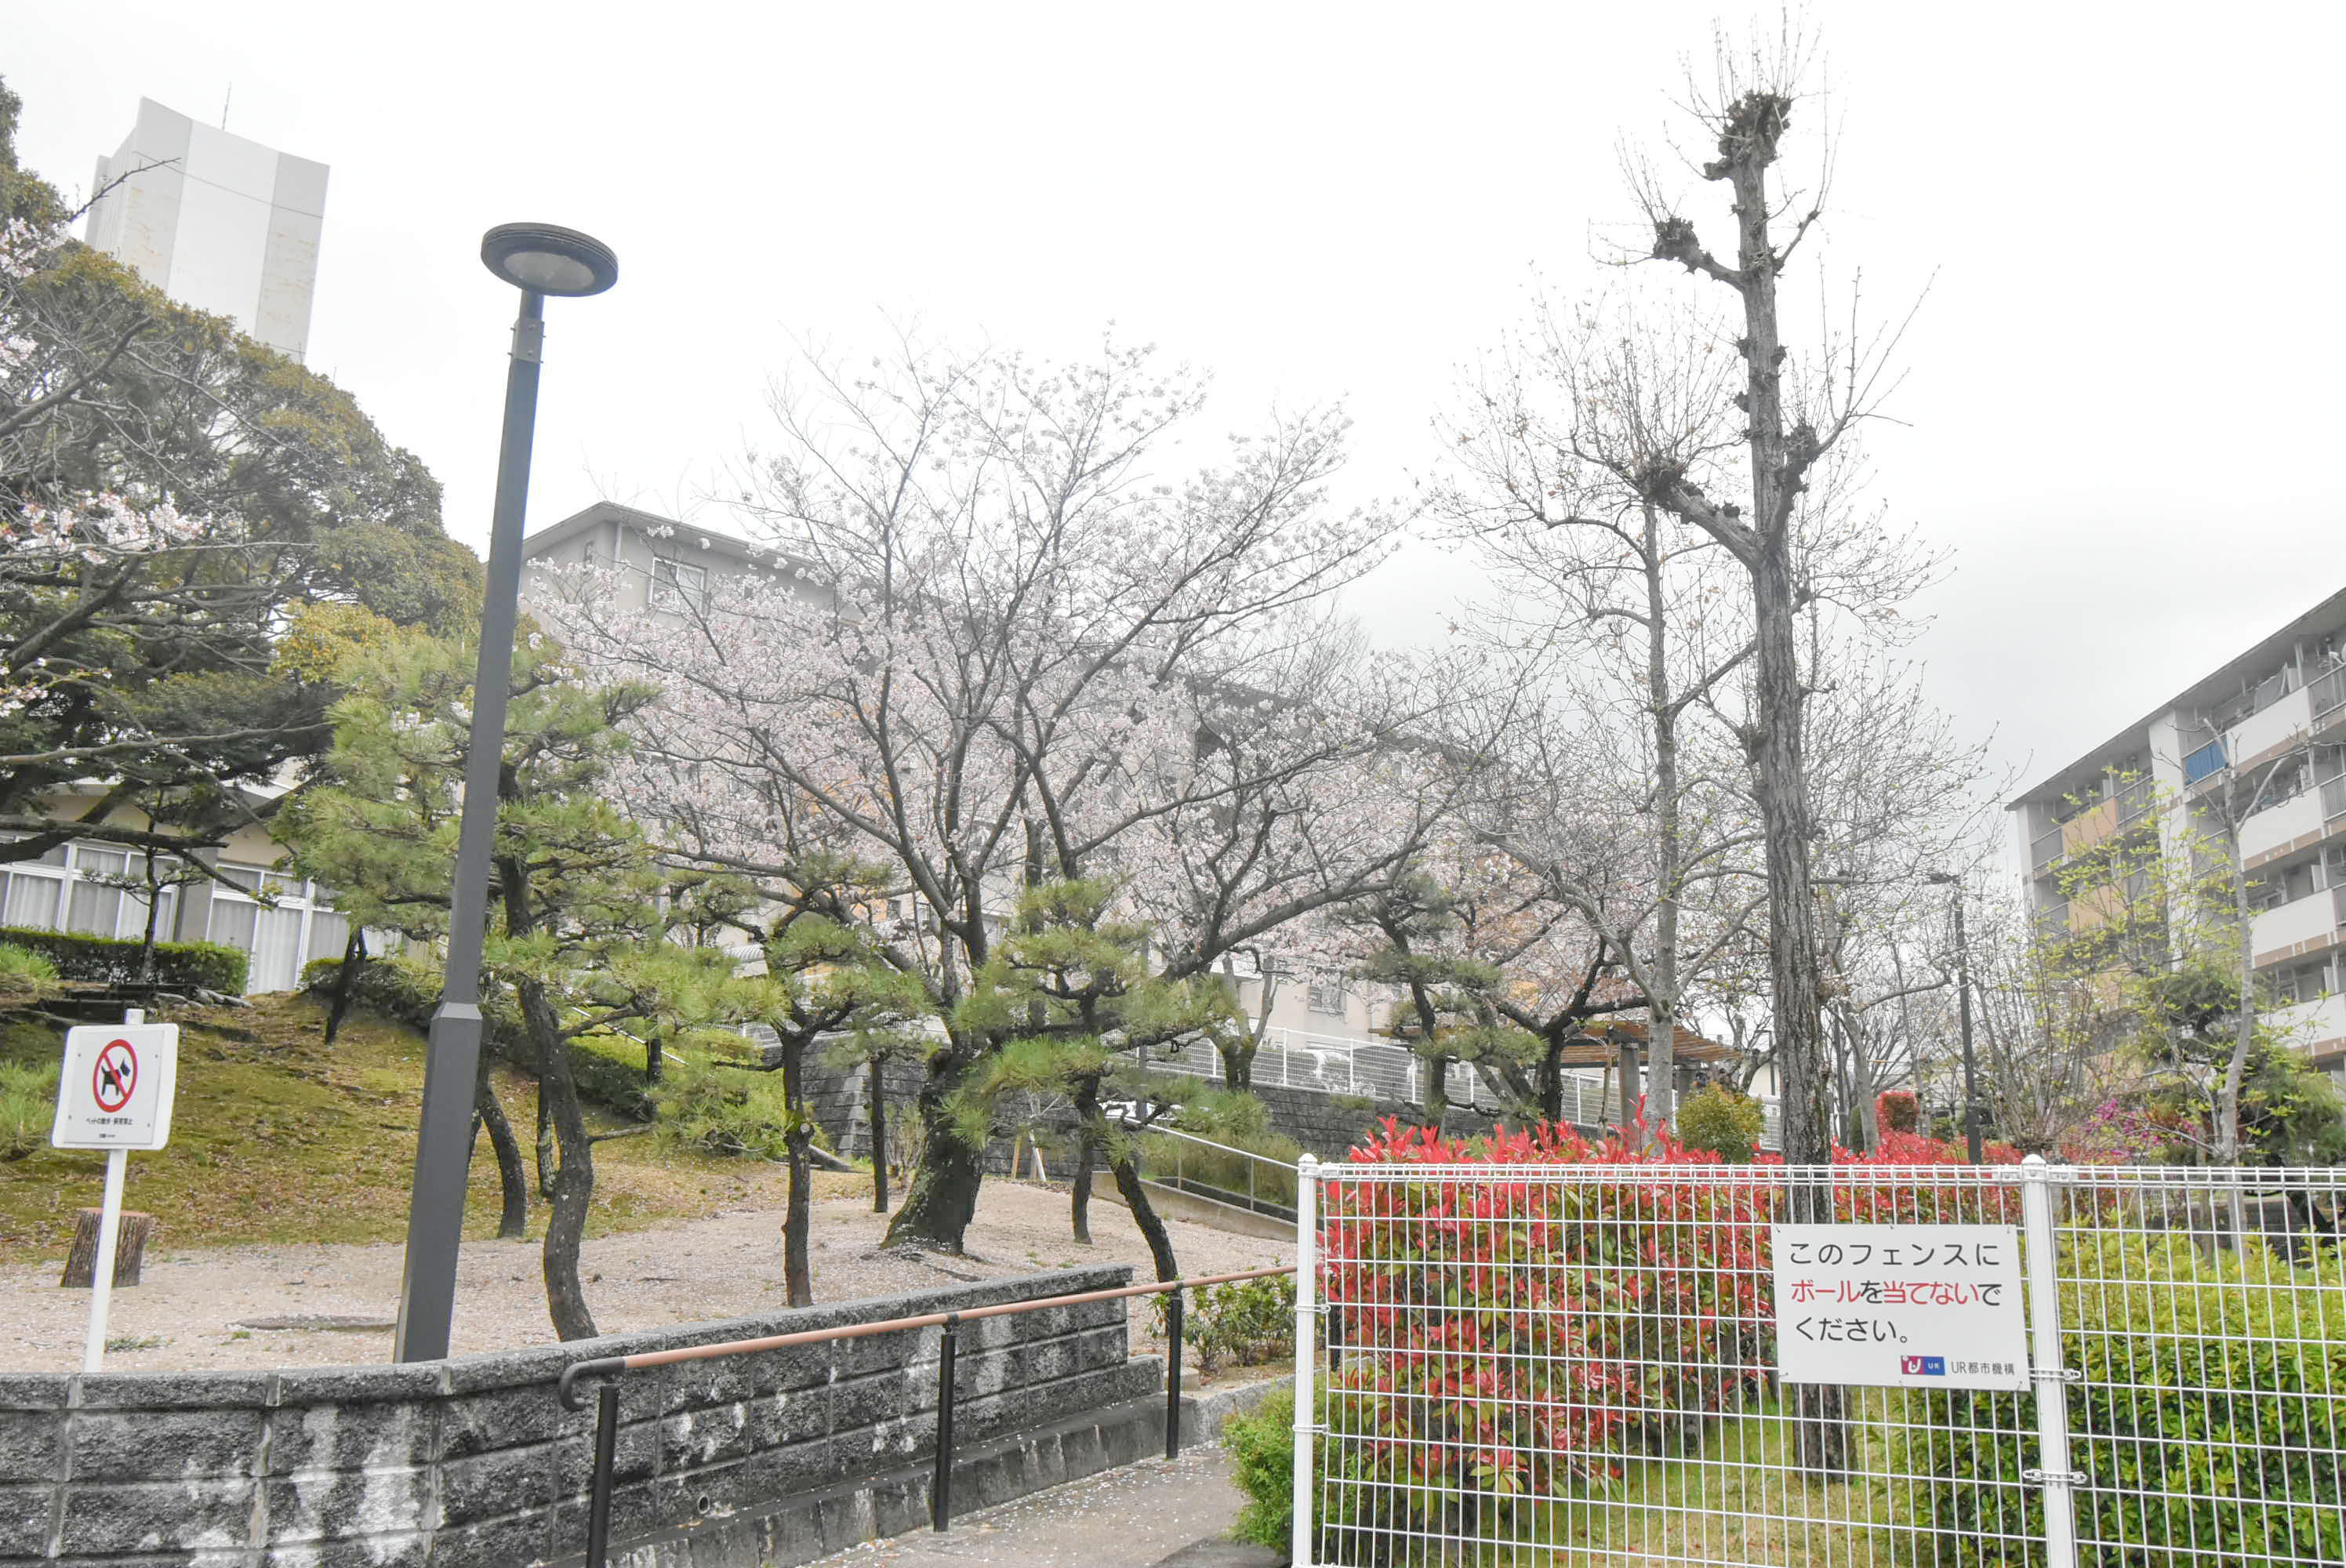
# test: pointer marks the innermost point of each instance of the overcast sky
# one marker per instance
(2121, 413)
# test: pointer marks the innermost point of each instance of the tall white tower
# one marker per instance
(218, 223)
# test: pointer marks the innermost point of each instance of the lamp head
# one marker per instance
(549, 259)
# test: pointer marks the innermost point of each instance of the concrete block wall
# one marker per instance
(473, 1463)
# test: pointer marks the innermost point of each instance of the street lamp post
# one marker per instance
(539, 259)
(1963, 1012)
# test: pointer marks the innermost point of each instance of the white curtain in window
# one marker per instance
(96, 911)
(329, 934)
(30, 900)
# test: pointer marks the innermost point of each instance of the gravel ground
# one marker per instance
(208, 1308)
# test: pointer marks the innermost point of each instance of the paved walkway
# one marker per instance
(1132, 1517)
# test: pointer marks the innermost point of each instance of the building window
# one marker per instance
(92, 889)
(280, 941)
(1327, 994)
(679, 585)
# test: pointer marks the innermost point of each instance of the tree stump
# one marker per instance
(129, 1248)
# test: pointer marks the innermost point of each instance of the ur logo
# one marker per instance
(114, 1076)
(1923, 1366)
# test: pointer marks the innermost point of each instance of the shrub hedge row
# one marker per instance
(114, 960)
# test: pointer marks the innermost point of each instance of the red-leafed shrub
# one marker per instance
(1510, 1328)
(1898, 1111)
(1507, 1336)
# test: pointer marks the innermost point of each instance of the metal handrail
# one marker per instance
(608, 1368)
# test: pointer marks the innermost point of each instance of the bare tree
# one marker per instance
(1788, 419)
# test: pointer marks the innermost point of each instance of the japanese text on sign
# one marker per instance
(1900, 1306)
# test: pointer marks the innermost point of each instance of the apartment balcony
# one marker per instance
(2327, 699)
(2300, 927)
(2316, 1028)
(2271, 727)
(2295, 823)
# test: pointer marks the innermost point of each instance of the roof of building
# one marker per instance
(2329, 615)
(600, 512)
(1601, 1040)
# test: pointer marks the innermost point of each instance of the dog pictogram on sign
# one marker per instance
(115, 1075)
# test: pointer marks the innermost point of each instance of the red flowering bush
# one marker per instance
(1509, 1336)
(1509, 1328)
(1898, 1111)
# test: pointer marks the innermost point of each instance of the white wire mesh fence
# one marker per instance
(1609, 1364)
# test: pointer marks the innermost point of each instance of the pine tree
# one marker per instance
(575, 918)
(1068, 1002)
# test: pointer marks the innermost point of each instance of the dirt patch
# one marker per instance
(188, 1311)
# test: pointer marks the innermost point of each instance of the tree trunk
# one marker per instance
(1626, 1051)
(346, 978)
(1079, 1208)
(651, 1055)
(937, 1210)
(574, 1180)
(512, 1182)
(797, 1280)
(131, 1234)
(545, 1161)
(1144, 1214)
(877, 1073)
(2244, 1027)
(1551, 1080)
(154, 913)
(1662, 995)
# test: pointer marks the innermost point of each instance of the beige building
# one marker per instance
(79, 886)
(2272, 719)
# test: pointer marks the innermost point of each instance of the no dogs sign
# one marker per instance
(116, 1090)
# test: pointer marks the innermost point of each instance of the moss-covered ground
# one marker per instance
(279, 1137)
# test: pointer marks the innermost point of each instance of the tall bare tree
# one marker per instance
(1789, 417)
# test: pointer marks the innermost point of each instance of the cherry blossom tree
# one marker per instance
(994, 630)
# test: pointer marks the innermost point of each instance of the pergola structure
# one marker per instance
(1616, 1044)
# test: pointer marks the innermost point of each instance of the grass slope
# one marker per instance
(279, 1138)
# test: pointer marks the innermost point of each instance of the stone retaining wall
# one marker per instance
(472, 1462)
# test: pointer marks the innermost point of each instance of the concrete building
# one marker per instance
(217, 222)
(2273, 718)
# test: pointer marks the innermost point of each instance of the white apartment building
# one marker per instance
(2273, 716)
(218, 222)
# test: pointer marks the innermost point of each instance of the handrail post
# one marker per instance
(599, 1500)
(941, 1489)
(1173, 1373)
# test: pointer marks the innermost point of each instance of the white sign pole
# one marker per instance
(101, 1282)
(109, 1221)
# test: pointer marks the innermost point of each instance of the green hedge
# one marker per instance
(1261, 1446)
(2208, 1421)
(113, 960)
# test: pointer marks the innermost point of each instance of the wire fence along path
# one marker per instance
(1847, 1365)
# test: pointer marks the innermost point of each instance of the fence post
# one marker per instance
(941, 1489)
(1307, 1267)
(1173, 1373)
(2045, 1371)
(606, 1445)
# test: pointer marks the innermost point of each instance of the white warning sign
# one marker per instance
(116, 1087)
(1900, 1306)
